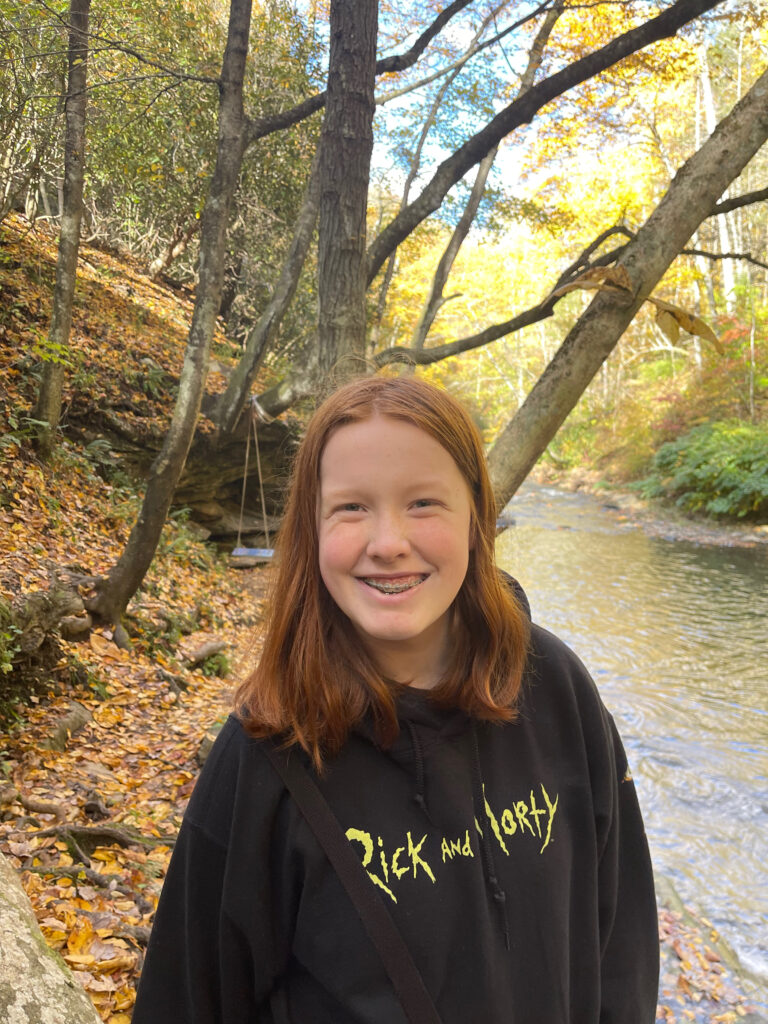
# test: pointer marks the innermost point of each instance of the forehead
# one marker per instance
(382, 445)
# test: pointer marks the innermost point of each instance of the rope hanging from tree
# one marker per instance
(240, 554)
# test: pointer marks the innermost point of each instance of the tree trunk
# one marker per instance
(48, 406)
(114, 593)
(231, 403)
(35, 983)
(691, 198)
(345, 161)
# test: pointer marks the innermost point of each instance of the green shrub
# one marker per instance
(718, 468)
(216, 665)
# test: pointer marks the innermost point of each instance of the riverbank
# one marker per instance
(700, 979)
(663, 521)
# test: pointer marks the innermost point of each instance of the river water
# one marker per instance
(675, 635)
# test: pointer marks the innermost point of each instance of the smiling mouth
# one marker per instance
(396, 586)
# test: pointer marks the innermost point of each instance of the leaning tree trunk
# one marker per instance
(691, 197)
(345, 163)
(114, 592)
(48, 406)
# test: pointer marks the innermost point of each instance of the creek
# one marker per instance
(675, 635)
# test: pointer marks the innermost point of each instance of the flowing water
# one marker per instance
(676, 636)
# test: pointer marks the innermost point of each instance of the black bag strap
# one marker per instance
(395, 955)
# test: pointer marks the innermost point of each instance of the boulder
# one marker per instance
(36, 986)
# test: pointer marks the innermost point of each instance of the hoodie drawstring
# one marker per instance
(418, 754)
(478, 798)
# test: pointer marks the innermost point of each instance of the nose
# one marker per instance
(388, 538)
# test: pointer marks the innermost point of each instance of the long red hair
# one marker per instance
(314, 680)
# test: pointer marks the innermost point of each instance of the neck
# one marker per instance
(420, 662)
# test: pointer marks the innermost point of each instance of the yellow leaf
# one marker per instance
(80, 937)
(668, 325)
(108, 715)
(116, 963)
(80, 958)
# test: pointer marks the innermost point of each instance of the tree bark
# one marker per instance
(35, 983)
(114, 593)
(521, 111)
(345, 162)
(48, 407)
(691, 197)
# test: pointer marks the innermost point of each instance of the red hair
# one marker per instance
(315, 680)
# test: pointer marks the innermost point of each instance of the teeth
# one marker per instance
(394, 586)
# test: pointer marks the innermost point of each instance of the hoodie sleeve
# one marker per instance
(629, 936)
(215, 953)
(197, 966)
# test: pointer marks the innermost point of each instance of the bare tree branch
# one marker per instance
(725, 256)
(738, 201)
(541, 311)
(522, 111)
(459, 63)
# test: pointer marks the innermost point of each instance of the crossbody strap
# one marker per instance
(395, 955)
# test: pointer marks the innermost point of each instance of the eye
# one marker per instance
(424, 503)
(350, 506)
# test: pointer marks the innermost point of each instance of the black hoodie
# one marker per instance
(511, 857)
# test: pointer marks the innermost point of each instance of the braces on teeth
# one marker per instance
(394, 588)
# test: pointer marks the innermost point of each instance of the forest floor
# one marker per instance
(89, 810)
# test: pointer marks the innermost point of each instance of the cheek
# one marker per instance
(338, 549)
(444, 543)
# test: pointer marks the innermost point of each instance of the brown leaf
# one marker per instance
(690, 323)
(608, 279)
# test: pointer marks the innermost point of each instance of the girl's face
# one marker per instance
(394, 539)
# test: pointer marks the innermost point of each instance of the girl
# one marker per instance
(464, 752)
